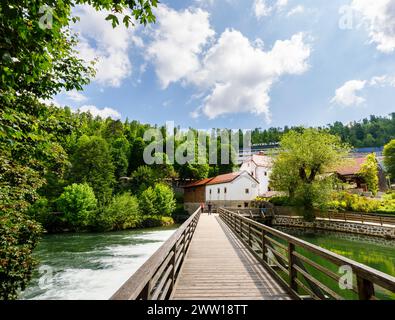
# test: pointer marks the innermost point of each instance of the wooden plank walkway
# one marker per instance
(218, 266)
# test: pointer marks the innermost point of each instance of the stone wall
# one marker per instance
(340, 226)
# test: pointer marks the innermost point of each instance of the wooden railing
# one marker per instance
(156, 277)
(308, 271)
(350, 217)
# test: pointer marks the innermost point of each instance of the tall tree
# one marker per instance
(92, 163)
(303, 156)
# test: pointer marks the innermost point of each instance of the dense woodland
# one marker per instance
(373, 132)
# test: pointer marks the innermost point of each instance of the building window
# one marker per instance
(265, 173)
(210, 191)
(247, 191)
(225, 190)
(219, 190)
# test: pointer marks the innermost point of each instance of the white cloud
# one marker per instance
(98, 39)
(383, 81)
(379, 18)
(261, 9)
(75, 96)
(102, 113)
(178, 41)
(296, 10)
(238, 76)
(347, 94)
(281, 4)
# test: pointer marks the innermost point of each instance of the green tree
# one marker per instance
(120, 149)
(370, 173)
(165, 201)
(389, 158)
(143, 178)
(92, 163)
(303, 158)
(122, 213)
(148, 201)
(77, 203)
(37, 62)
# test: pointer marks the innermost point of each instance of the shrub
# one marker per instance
(43, 212)
(147, 202)
(157, 201)
(156, 221)
(165, 202)
(77, 203)
(18, 237)
(352, 202)
(122, 213)
(280, 201)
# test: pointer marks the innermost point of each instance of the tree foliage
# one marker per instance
(77, 204)
(389, 158)
(369, 172)
(304, 157)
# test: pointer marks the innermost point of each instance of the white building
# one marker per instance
(260, 167)
(233, 189)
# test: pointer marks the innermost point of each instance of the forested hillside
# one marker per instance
(372, 132)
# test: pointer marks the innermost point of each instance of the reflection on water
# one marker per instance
(90, 266)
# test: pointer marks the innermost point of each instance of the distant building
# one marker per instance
(349, 173)
(237, 189)
(260, 167)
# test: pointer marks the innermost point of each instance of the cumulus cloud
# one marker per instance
(99, 40)
(296, 10)
(379, 18)
(261, 9)
(239, 76)
(75, 96)
(347, 94)
(102, 113)
(178, 41)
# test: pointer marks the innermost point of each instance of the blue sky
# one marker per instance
(243, 63)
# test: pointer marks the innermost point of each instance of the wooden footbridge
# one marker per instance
(228, 256)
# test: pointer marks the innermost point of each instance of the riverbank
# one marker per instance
(91, 265)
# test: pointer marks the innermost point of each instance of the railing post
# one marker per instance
(264, 257)
(291, 270)
(173, 262)
(365, 288)
(361, 217)
(146, 293)
(249, 235)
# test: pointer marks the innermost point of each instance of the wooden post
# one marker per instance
(146, 293)
(362, 217)
(344, 214)
(264, 257)
(173, 262)
(249, 235)
(365, 288)
(291, 270)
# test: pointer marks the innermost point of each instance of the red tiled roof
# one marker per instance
(351, 168)
(224, 178)
(198, 183)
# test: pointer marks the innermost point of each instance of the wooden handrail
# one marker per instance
(286, 258)
(156, 277)
(354, 216)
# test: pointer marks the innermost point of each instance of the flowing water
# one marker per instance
(90, 266)
(94, 266)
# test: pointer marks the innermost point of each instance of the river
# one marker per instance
(90, 266)
(94, 266)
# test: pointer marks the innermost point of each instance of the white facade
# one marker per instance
(260, 167)
(243, 188)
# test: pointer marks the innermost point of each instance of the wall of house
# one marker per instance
(262, 174)
(195, 194)
(235, 190)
